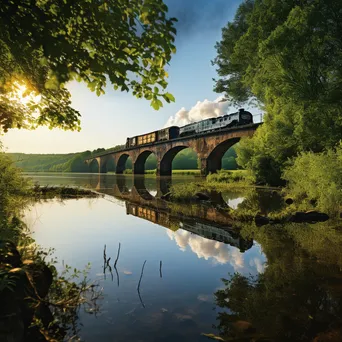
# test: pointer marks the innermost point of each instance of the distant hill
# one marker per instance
(74, 162)
(71, 162)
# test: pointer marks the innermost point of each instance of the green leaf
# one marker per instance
(170, 97)
(155, 104)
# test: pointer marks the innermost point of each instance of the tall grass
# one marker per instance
(231, 176)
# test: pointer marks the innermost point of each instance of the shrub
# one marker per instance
(14, 189)
(317, 178)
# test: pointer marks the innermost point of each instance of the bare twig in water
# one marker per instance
(142, 303)
(141, 275)
(117, 275)
(117, 258)
(160, 269)
(138, 288)
(110, 270)
(104, 262)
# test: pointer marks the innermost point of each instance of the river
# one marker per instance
(201, 276)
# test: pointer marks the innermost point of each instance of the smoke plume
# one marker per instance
(200, 111)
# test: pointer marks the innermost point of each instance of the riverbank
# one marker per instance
(63, 192)
(38, 303)
(250, 210)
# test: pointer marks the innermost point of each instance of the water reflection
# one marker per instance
(194, 226)
(208, 249)
(298, 297)
(288, 285)
(205, 229)
(207, 221)
(188, 250)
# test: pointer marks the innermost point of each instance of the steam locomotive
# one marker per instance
(239, 118)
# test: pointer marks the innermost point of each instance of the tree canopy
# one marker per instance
(288, 56)
(46, 43)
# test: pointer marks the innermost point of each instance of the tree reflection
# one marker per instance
(297, 298)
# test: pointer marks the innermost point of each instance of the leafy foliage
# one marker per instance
(14, 190)
(317, 178)
(287, 55)
(45, 44)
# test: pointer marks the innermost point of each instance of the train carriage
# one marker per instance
(241, 117)
(150, 138)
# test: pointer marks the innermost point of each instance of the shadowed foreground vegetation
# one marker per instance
(37, 302)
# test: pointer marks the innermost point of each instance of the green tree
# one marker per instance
(45, 44)
(287, 55)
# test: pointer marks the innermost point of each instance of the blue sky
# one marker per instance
(107, 120)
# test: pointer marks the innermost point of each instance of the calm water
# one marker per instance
(289, 283)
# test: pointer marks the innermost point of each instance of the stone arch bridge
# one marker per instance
(210, 148)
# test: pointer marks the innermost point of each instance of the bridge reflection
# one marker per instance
(210, 221)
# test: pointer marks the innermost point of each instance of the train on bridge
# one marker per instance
(239, 118)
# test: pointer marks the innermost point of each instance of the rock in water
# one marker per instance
(202, 196)
(316, 216)
(243, 327)
(166, 197)
(298, 217)
(309, 216)
(261, 220)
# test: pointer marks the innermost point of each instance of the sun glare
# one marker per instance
(21, 94)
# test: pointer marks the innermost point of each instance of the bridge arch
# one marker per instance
(121, 187)
(140, 188)
(109, 163)
(214, 159)
(140, 162)
(165, 166)
(121, 163)
(94, 166)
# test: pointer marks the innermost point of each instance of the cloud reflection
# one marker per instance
(258, 264)
(208, 249)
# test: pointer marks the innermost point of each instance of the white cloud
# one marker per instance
(200, 111)
(258, 264)
(208, 249)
